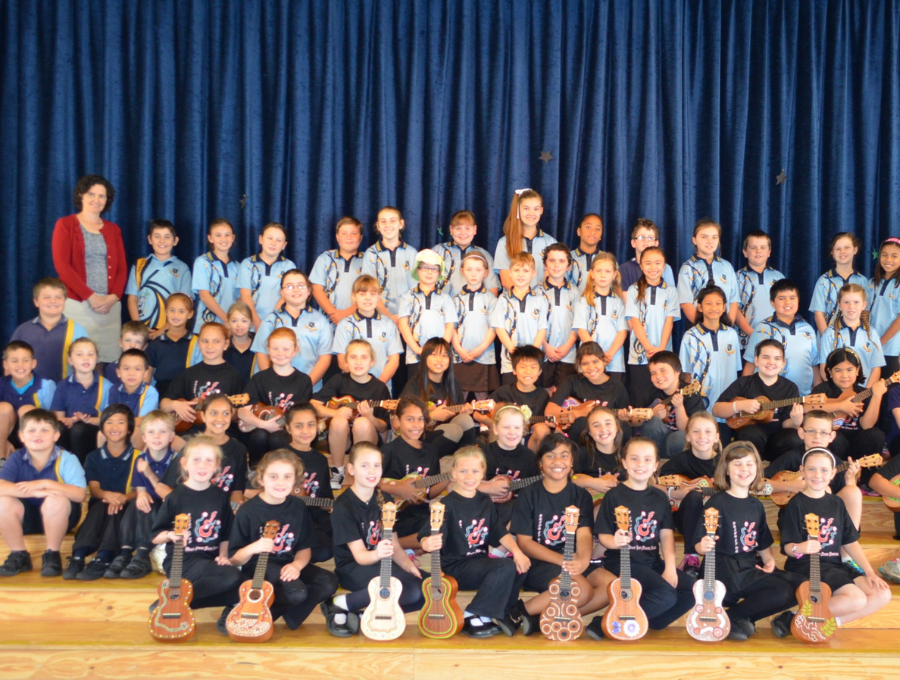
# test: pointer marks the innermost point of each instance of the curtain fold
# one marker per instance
(304, 111)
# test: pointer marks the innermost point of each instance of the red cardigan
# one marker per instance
(68, 258)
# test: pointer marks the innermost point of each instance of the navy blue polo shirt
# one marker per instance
(51, 348)
(141, 401)
(111, 472)
(169, 357)
(38, 392)
(157, 467)
(62, 467)
(72, 397)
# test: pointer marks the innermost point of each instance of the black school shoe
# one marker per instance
(485, 630)
(223, 617)
(507, 625)
(139, 567)
(51, 563)
(73, 568)
(117, 566)
(595, 629)
(531, 623)
(94, 570)
(16, 562)
(329, 610)
(741, 629)
(781, 624)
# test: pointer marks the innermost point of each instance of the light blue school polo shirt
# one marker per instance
(263, 281)
(754, 288)
(474, 309)
(696, 274)
(312, 329)
(393, 271)
(884, 308)
(560, 315)
(219, 280)
(521, 318)
(454, 281)
(427, 315)
(801, 348)
(378, 330)
(152, 281)
(659, 303)
(825, 294)
(534, 246)
(713, 358)
(604, 320)
(336, 275)
(868, 348)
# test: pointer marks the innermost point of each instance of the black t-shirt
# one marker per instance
(517, 464)
(470, 526)
(890, 470)
(792, 460)
(835, 528)
(611, 394)
(687, 464)
(316, 475)
(232, 477)
(832, 391)
(650, 514)
(204, 380)
(211, 519)
(434, 392)
(271, 389)
(354, 520)
(594, 463)
(692, 404)
(542, 515)
(343, 385)
(400, 459)
(743, 530)
(242, 361)
(296, 531)
(536, 400)
(752, 386)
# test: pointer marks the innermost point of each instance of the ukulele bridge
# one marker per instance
(250, 616)
(815, 619)
(175, 615)
(439, 617)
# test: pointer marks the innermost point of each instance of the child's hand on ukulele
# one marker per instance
(852, 473)
(144, 501)
(263, 545)
(707, 544)
(498, 486)
(365, 409)
(746, 405)
(432, 543)
(271, 425)
(661, 411)
(577, 565)
(879, 389)
(622, 538)
(441, 414)
(852, 408)
(809, 547)
(185, 410)
(384, 549)
(677, 400)
(289, 572)
(797, 415)
(407, 491)
(172, 537)
(604, 484)
(346, 413)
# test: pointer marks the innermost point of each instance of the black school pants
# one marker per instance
(662, 603)
(295, 600)
(99, 530)
(215, 585)
(496, 580)
(135, 530)
(688, 516)
(767, 596)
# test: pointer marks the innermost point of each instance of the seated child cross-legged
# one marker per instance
(598, 458)
(109, 471)
(299, 586)
(359, 546)
(472, 525)
(41, 490)
(538, 523)
(853, 596)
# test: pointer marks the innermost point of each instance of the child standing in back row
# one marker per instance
(754, 283)
(599, 315)
(215, 275)
(335, 271)
(390, 260)
(589, 233)
(259, 276)
(704, 269)
(473, 339)
(462, 233)
(521, 235)
(843, 248)
(561, 295)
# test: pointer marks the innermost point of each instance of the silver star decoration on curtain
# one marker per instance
(782, 178)
(546, 156)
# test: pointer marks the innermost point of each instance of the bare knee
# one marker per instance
(10, 505)
(364, 431)
(54, 506)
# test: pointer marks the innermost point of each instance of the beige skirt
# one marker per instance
(104, 329)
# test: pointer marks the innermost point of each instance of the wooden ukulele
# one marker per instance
(349, 402)
(624, 620)
(597, 496)
(780, 498)
(707, 621)
(173, 620)
(893, 504)
(561, 621)
(813, 622)
(383, 619)
(692, 388)
(440, 616)
(185, 425)
(767, 410)
(841, 418)
(483, 406)
(263, 412)
(418, 482)
(577, 409)
(251, 620)
(514, 485)
(562, 421)
(702, 484)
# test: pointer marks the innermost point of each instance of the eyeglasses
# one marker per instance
(641, 239)
(818, 433)
(428, 268)
(295, 286)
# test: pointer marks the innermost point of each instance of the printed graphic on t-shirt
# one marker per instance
(827, 531)
(206, 389)
(206, 529)
(747, 537)
(225, 479)
(476, 535)
(282, 401)
(645, 529)
(310, 484)
(284, 539)
(553, 531)
(418, 470)
(373, 535)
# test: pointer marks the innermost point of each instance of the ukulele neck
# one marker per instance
(517, 484)
(425, 482)
(436, 576)
(385, 577)
(709, 568)
(625, 566)
(815, 574)
(565, 578)
(177, 562)
(772, 405)
(259, 574)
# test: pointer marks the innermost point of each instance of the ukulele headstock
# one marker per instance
(692, 388)
(388, 516)
(437, 516)
(894, 379)
(271, 529)
(623, 518)
(812, 526)
(815, 400)
(572, 515)
(239, 399)
(182, 524)
(873, 460)
(484, 406)
(711, 520)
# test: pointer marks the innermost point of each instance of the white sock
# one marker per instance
(837, 620)
(467, 614)
(341, 469)
(475, 621)
(486, 620)
(340, 602)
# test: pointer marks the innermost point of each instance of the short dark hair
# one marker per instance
(121, 410)
(85, 183)
(39, 415)
(756, 233)
(153, 225)
(768, 342)
(526, 352)
(781, 286)
(668, 358)
(15, 345)
(139, 353)
(561, 247)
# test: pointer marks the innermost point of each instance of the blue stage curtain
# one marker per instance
(310, 110)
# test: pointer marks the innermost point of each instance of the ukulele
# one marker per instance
(597, 496)
(893, 504)
(349, 402)
(418, 482)
(702, 484)
(562, 421)
(841, 418)
(780, 498)
(624, 620)
(707, 621)
(813, 621)
(251, 620)
(263, 412)
(316, 502)
(692, 388)
(767, 410)
(577, 409)
(514, 485)
(440, 616)
(561, 621)
(383, 619)
(185, 425)
(173, 620)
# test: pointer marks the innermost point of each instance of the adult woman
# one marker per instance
(90, 259)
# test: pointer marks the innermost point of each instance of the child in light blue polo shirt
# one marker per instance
(754, 283)
(259, 276)
(561, 295)
(520, 315)
(215, 276)
(884, 302)
(335, 271)
(462, 232)
(424, 312)
(390, 261)
(705, 268)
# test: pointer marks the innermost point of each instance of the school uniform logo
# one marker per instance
(645, 526)
(175, 272)
(206, 529)
(536, 313)
(373, 534)
(729, 349)
(553, 531)
(311, 326)
(284, 539)
(383, 336)
(476, 534)
(225, 479)
(748, 537)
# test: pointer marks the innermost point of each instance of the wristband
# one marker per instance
(794, 551)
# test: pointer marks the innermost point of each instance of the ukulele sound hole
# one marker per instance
(625, 594)
(564, 593)
(814, 598)
(709, 595)
(254, 595)
(384, 593)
